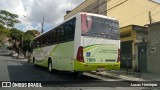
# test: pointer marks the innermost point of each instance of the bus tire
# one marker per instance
(50, 65)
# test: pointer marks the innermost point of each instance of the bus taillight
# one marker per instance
(118, 59)
(80, 54)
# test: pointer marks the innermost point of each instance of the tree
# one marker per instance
(17, 36)
(33, 32)
(24, 38)
(27, 38)
(26, 43)
(4, 34)
(8, 19)
(4, 30)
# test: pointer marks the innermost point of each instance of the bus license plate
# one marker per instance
(101, 69)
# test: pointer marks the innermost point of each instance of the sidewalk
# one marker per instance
(131, 75)
(5, 52)
(19, 59)
(151, 76)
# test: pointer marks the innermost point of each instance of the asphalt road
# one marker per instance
(19, 70)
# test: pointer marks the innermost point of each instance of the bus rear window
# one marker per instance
(99, 27)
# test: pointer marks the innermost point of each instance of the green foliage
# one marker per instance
(4, 30)
(24, 37)
(8, 19)
(27, 38)
(2, 27)
(16, 34)
(33, 32)
(4, 33)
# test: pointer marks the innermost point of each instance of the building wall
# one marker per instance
(79, 8)
(128, 12)
(153, 56)
(136, 34)
(133, 11)
(91, 6)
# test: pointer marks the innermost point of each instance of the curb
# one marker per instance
(20, 59)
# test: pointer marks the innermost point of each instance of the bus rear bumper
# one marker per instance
(80, 66)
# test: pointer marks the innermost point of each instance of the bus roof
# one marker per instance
(91, 14)
(98, 15)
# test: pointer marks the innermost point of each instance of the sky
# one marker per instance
(30, 12)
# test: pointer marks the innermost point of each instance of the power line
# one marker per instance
(141, 13)
(156, 13)
(114, 3)
(153, 15)
(117, 5)
(114, 6)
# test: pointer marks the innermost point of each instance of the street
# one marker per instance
(19, 70)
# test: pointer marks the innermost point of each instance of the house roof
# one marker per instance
(154, 23)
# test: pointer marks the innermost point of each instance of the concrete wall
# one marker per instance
(136, 34)
(153, 57)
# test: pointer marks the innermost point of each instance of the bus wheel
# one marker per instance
(50, 66)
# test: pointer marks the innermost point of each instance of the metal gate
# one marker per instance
(126, 54)
(142, 57)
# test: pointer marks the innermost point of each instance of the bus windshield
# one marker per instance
(99, 27)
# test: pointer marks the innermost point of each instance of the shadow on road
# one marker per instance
(23, 71)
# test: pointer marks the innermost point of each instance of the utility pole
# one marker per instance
(22, 42)
(150, 18)
(42, 24)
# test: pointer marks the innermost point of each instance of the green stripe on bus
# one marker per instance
(41, 61)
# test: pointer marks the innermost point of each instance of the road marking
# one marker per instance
(100, 77)
(105, 76)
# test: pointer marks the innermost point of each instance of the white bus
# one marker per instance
(86, 42)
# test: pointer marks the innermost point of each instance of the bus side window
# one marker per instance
(61, 34)
(42, 40)
(57, 35)
(50, 38)
(69, 31)
(37, 43)
(47, 40)
(54, 37)
(66, 32)
(73, 28)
